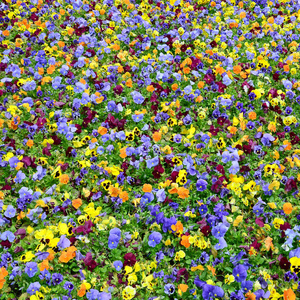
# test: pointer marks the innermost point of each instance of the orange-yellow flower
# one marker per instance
(287, 208)
(124, 196)
(200, 84)
(252, 115)
(182, 288)
(77, 203)
(5, 32)
(232, 129)
(68, 254)
(102, 130)
(237, 69)
(174, 86)
(178, 227)
(289, 145)
(113, 191)
(64, 178)
(3, 274)
(242, 15)
(147, 188)
(123, 152)
(81, 292)
(186, 70)
(44, 265)
(289, 295)
(29, 143)
(156, 136)
(183, 192)
(128, 83)
(150, 88)
(185, 241)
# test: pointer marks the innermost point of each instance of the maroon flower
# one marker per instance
(260, 222)
(89, 262)
(78, 128)
(216, 199)
(247, 149)
(73, 240)
(285, 226)
(56, 139)
(213, 44)
(18, 249)
(182, 272)
(216, 187)
(34, 17)
(68, 151)
(221, 121)
(222, 87)
(158, 170)
(64, 167)
(174, 175)
(6, 244)
(46, 150)
(265, 107)
(214, 131)
(206, 230)
(221, 169)
(118, 89)
(284, 264)
(280, 135)
(129, 259)
(85, 229)
(294, 138)
(209, 78)
(245, 169)
(290, 185)
(276, 76)
(28, 161)
(255, 245)
(40, 122)
(21, 232)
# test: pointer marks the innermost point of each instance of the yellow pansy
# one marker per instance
(295, 264)
(179, 255)
(277, 222)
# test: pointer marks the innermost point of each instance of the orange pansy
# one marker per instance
(183, 192)
(185, 241)
(77, 203)
(287, 208)
(147, 188)
(156, 136)
(64, 178)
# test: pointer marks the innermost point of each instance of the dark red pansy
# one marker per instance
(6, 244)
(118, 89)
(174, 175)
(284, 264)
(290, 185)
(56, 139)
(21, 232)
(256, 245)
(182, 273)
(129, 259)
(206, 230)
(46, 150)
(247, 149)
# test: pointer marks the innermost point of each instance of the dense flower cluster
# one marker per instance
(150, 149)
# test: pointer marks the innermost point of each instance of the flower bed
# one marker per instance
(149, 149)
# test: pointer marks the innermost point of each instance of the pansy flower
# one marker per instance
(154, 239)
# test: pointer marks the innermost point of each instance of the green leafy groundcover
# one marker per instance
(149, 149)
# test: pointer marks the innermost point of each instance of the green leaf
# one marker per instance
(228, 269)
(24, 296)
